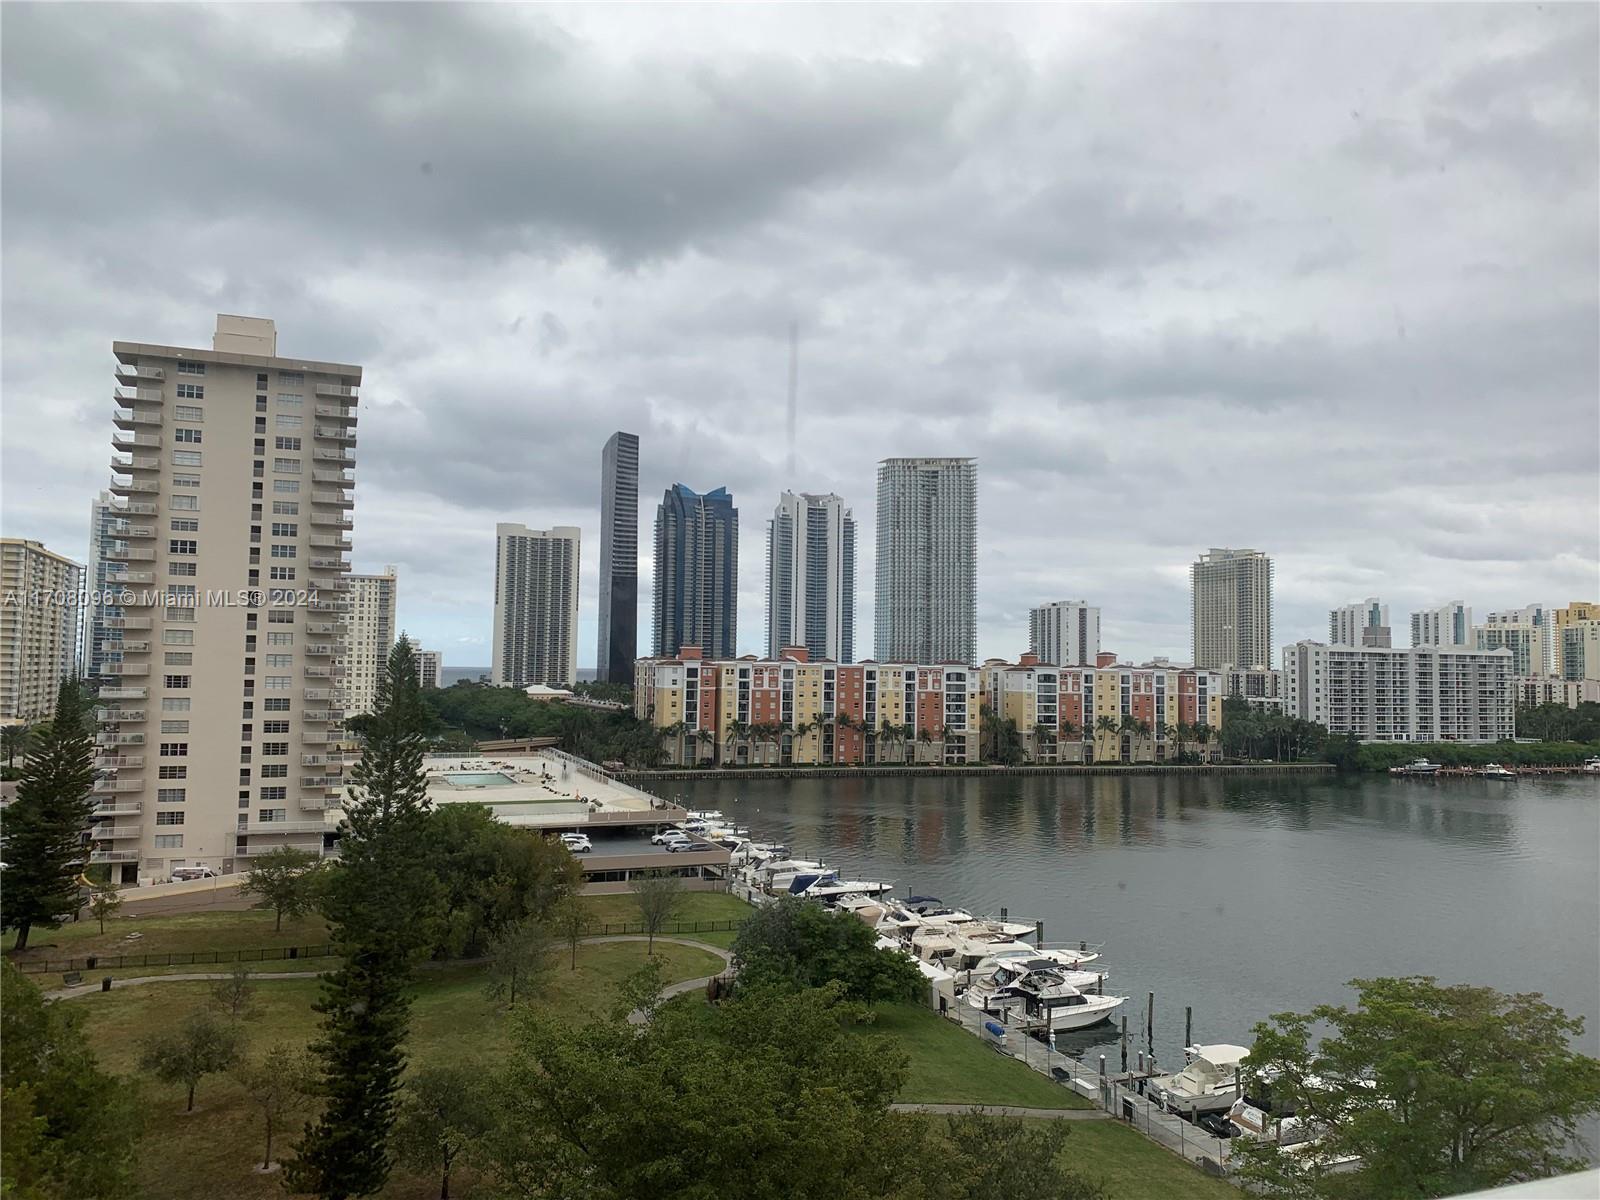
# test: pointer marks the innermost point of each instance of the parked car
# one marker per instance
(182, 874)
(578, 843)
(668, 835)
(673, 847)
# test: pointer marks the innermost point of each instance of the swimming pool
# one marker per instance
(480, 779)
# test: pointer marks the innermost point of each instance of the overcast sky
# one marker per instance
(1317, 280)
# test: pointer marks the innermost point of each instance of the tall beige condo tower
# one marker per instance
(535, 605)
(39, 597)
(1231, 595)
(220, 741)
(371, 635)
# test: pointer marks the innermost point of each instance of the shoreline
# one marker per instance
(859, 771)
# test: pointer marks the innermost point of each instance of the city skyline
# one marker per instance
(1066, 333)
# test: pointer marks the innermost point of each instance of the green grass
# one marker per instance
(1132, 1167)
(951, 1066)
(695, 906)
(170, 933)
(208, 1153)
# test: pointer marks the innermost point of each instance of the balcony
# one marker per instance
(323, 694)
(114, 856)
(267, 827)
(333, 758)
(338, 389)
(329, 605)
(329, 541)
(335, 412)
(311, 847)
(320, 648)
(316, 517)
(137, 487)
(316, 803)
(126, 622)
(320, 715)
(130, 395)
(125, 530)
(116, 833)
(332, 433)
(321, 781)
(135, 420)
(118, 808)
(130, 554)
(126, 466)
(340, 499)
(133, 372)
(124, 578)
(119, 785)
(117, 761)
(136, 441)
(123, 693)
(329, 564)
(343, 456)
(124, 668)
(121, 716)
(338, 478)
(317, 737)
(323, 627)
(119, 739)
(126, 647)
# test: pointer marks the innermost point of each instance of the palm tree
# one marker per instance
(1041, 738)
(1104, 725)
(738, 731)
(1068, 732)
(924, 738)
(707, 738)
(1141, 731)
(675, 731)
(1202, 734)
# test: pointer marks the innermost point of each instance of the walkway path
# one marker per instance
(1007, 1110)
(688, 985)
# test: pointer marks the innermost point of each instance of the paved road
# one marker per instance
(1008, 1110)
(687, 985)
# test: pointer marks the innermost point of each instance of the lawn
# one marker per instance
(694, 907)
(1134, 1168)
(951, 1066)
(207, 1153)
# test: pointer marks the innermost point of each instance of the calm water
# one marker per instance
(1240, 897)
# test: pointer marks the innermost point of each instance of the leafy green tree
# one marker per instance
(658, 895)
(1435, 1090)
(767, 1099)
(796, 943)
(105, 903)
(279, 1084)
(68, 1129)
(981, 1157)
(444, 1111)
(518, 959)
(381, 902)
(43, 826)
(284, 881)
(235, 993)
(571, 922)
(195, 1047)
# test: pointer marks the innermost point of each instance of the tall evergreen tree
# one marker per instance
(44, 825)
(381, 902)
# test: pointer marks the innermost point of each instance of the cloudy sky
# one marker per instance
(1318, 280)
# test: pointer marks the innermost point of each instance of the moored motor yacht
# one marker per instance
(1205, 1085)
(996, 972)
(1592, 766)
(1043, 1000)
(1068, 960)
(708, 814)
(826, 885)
(1417, 766)
(1496, 771)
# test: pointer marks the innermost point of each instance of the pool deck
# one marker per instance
(546, 789)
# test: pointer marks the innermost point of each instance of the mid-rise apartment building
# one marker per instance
(221, 725)
(1527, 641)
(1576, 610)
(696, 572)
(535, 605)
(1259, 687)
(1416, 694)
(1363, 624)
(793, 711)
(1538, 616)
(1547, 689)
(1448, 625)
(371, 635)
(811, 577)
(1065, 633)
(1107, 711)
(619, 559)
(1231, 603)
(927, 568)
(1580, 649)
(40, 594)
(429, 665)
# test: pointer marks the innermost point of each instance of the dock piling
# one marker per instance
(1124, 1045)
(1150, 1024)
(1188, 1025)
(1038, 933)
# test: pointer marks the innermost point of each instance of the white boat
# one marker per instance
(999, 970)
(709, 814)
(826, 885)
(1496, 771)
(1592, 765)
(1205, 1085)
(866, 909)
(1043, 1000)
(1417, 766)
(1069, 960)
(962, 947)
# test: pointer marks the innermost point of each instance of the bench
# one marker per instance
(72, 978)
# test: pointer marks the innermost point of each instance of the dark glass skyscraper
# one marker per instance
(697, 572)
(619, 559)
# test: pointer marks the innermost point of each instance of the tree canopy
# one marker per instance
(796, 943)
(1435, 1090)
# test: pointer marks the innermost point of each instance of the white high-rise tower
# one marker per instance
(811, 577)
(927, 577)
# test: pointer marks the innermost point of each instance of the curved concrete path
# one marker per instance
(1007, 1110)
(675, 989)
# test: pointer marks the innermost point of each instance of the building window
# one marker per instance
(279, 661)
(280, 550)
(189, 412)
(191, 368)
(187, 436)
(285, 485)
(289, 399)
(286, 443)
(177, 637)
(285, 529)
(291, 378)
(175, 703)
(189, 481)
(281, 574)
(274, 793)
(183, 546)
(275, 727)
(280, 639)
(174, 727)
(278, 683)
(169, 841)
(274, 770)
(178, 658)
(171, 795)
(170, 816)
(268, 815)
(286, 508)
(184, 503)
(185, 525)
(286, 466)
(174, 749)
(289, 421)
(275, 705)
(274, 749)
(175, 681)
(183, 568)
(191, 391)
(186, 458)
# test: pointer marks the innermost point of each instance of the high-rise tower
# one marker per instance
(619, 559)
(696, 572)
(535, 605)
(926, 604)
(811, 577)
(1231, 599)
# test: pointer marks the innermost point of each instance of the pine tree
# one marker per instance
(44, 825)
(381, 903)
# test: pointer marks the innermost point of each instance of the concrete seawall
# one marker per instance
(929, 772)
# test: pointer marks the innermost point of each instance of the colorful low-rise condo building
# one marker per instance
(1109, 712)
(792, 711)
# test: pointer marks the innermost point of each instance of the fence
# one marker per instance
(112, 962)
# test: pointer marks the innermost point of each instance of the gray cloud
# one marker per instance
(1320, 279)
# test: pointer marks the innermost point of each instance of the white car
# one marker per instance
(578, 843)
(677, 844)
(183, 874)
(668, 835)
